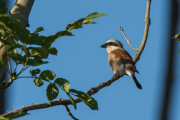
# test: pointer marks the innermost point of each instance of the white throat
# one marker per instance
(112, 48)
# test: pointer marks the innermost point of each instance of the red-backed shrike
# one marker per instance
(119, 60)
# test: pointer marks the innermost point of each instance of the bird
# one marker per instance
(120, 60)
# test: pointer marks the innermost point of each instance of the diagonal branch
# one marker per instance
(59, 101)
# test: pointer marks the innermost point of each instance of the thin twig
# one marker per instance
(27, 57)
(9, 64)
(15, 67)
(25, 77)
(26, 67)
(128, 40)
(69, 112)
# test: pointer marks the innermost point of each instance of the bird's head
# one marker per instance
(112, 44)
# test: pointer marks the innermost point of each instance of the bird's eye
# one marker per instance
(110, 43)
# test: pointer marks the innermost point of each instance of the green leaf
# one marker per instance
(17, 57)
(74, 25)
(52, 92)
(11, 40)
(4, 18)
(34, 39)
(52, 51)
(17, 26)
(39, 29)
(94, 15)
(63, 83)
(38, 82)
(10, 43)
(2, 1)
(177, 37)
(39, 52)
(35, 62)
(88, 100)
(3, 10)
(88, 22)
(3, 32)
(3, 118)
(34, 72)
(17, 115)
(72, 100)
(47, 42)
(47, 75)
(1, 61)
(24, 35)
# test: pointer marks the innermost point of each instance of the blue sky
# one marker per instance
(81, 60)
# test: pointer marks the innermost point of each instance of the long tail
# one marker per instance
(136, 82)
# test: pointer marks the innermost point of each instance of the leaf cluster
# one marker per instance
(32, 49)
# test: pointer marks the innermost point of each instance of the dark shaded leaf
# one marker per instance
(4, 18)
(63, 83)
(17, 57)
(2, 1)
(23, 35)
(34, 39)
(72, 100)
(11, 40)
(74, 25)
(1, 61)
(39, 29)
(88, 100)
(47, 42)
(38, 82)
(3, 10)
(17, 115)
(52, 92)
(17, 26)
(34, 72)
(52, 51)
(3, 32)
(36, 62)
(39, 52)
(47, 75)
(94, 15)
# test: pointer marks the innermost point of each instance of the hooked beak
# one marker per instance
(104, 46)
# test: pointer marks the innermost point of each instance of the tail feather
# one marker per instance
(136, 82)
